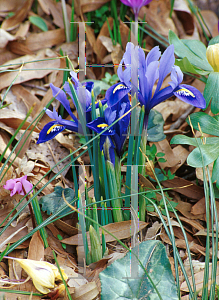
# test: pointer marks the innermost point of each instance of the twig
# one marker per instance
(182, 118)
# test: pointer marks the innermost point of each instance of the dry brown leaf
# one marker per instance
(188, 188)
(125, 33)
(37, 41)
(20, 15)
(50, 6)
(23, 30)
(27, 97)
(98, 48)
(179, 151)
(36, 247)
(199, 207)
(196, 248)
(183, 13)
(171, 159)
(91, 5)
(32, 70)
(185, 209)
(172, 108)
(12, 5)
(4, 140)
(5, 37)
(87, 291)
(66, 228)
(199, 280)
(120, 229)
(157, 16)
(50, 153)
(152, 231)
(10, 230)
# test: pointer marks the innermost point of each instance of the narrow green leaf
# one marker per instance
(39, 22)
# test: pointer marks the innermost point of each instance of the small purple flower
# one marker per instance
(19, 186)
(136, 5)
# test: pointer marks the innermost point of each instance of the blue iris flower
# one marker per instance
(141, 74)
(115, 136)
(51, 129)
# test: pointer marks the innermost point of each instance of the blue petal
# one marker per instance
(98, 125)
(176, 76)
(116, 92)
(88, 85)
(74, 79)
(61, 97)
(110, 116)
(161, 96)
(49, 131)
(153, 55)
(166, 63)
(190, 94)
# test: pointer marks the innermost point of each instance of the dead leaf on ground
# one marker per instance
(199, 280)
(20, 15)
(120, 229)
(157, 16)
(32, 70)
(185, 187)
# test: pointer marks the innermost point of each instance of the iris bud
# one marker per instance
(212, 55)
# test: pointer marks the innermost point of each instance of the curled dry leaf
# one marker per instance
(20, 15)
(157, 16)
(183, 13)
(5, 37)
(120, 229)
(199, 277)
(37, 41)
(43, 67)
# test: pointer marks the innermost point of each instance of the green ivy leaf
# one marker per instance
(213, 41)
(215, 172)
(186, 66)
(195, 51)
(211, 91)
(209, 152)
(207, 123)
(53, 202)
(155, 127)
(39, 22)
(117, 282)
(185, 140)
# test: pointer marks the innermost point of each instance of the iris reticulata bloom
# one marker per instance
(149, 71)
(51, 129)
(115, 136)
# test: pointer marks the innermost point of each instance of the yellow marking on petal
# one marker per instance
(119, 87)
(53, 127)
(102, 125)
(185, 92)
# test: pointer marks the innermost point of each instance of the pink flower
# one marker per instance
(20, 186)
(135, 5)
